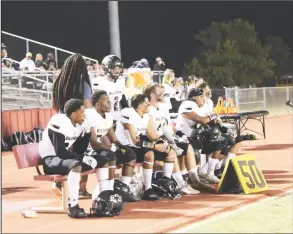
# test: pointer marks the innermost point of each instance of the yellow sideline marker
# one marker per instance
(242, 173)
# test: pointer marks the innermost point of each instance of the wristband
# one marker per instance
(213, 116)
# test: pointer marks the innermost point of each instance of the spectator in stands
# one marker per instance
(73, 82)
(39, 63)
(27, 63)
(4, 57)
(50, 62)
(159, 67)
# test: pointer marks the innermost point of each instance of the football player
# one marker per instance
(58, 154)
(72, 82)
(158, 111)
(185, 157)
(233, 144)
(190, 114)
(135, 129)
(113, 83)
(100, 122)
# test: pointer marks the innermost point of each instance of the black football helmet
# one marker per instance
(107, 204)
(112, 66)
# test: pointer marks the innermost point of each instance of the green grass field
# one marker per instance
(274, 216)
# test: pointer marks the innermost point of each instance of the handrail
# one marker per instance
(44, 44)
(26, 90)
(28, 75)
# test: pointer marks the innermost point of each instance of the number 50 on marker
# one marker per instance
(249, 174)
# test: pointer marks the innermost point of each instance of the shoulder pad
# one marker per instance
(60, 123)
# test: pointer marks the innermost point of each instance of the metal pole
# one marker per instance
(27, 46)
(56, 58)
(114, 28)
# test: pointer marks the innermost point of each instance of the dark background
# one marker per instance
(147, 29)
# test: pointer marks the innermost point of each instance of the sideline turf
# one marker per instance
(272, 217)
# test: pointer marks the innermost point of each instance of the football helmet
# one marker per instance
(112, 66)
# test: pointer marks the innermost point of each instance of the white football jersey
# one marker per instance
(186, 125)
(99, 123)
(59, 123)
(115, 90)
(159, 116)
(130, 116)
(170, 92)
(163, 108)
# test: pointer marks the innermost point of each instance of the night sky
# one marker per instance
(147, 29)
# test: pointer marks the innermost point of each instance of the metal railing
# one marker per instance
(18, 46)
(266, 98)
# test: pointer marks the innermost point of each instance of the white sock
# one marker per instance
(184, 172)
(178, 178)
(194, 175)
(96, 192)
(111, 184)
(126, 180)
(204, 168)
(73, 179)
(168, 169)
(212, 164)
(103, 178)
(219, 165)
(147, 178)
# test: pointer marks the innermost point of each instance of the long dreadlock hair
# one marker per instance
(70, 82)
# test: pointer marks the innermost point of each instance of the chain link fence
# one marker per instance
(271, 99)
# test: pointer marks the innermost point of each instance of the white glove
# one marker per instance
(92, 162)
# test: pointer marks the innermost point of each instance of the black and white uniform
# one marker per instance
(187, 126)
(161, 117)
(102, 125)
(163, 109)
(115, 91)
(55, 148)
(172, 97)
(130, 116)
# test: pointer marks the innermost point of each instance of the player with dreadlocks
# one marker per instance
(72, 82)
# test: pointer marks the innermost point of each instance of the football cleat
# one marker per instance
(150, 195)
(76, 212)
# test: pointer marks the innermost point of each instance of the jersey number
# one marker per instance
(158, 129)
(116, 103)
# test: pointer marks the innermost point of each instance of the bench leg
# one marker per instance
(56, 210)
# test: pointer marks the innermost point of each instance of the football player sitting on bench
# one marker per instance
(135, 129)
(100, 122)
(190, 114)
(62, 131)
(185, 157)
(233, 144)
